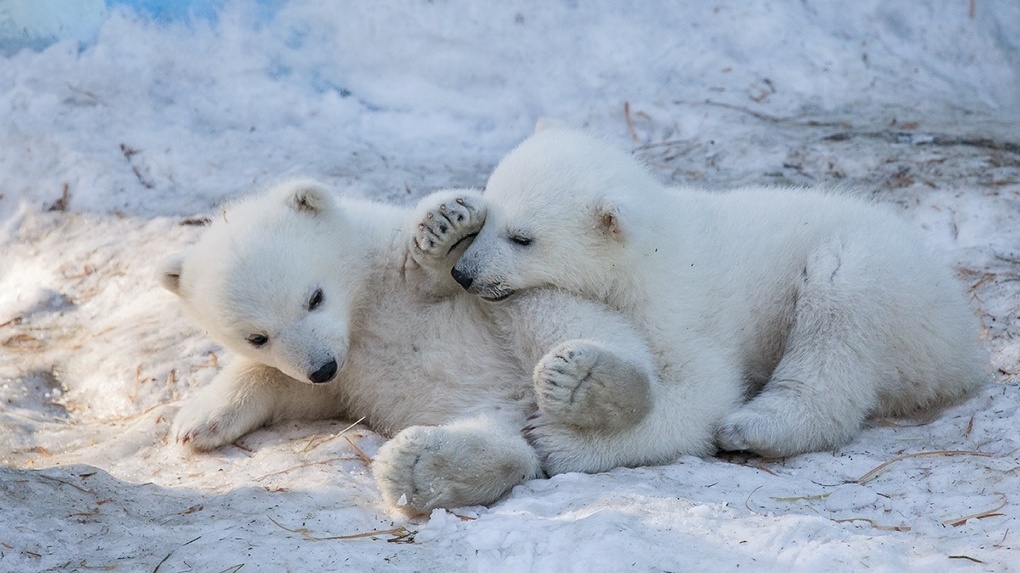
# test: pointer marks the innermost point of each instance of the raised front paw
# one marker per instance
(445, 222)
(426, 467)
(583, 384)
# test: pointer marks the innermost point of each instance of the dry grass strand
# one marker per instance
(317, 441)
(874, 524)
(306, 465)
(365, 459)
(398, 533)
(941, 453)
(958, 521)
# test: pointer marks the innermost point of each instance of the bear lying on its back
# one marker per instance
(345, 308)
(823, 308)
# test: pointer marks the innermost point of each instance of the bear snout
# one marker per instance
(463, 279)
(324, 374)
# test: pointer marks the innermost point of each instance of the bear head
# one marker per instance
(266, 281)
(561, 212)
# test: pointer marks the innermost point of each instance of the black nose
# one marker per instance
(324, 373)
(461, 278)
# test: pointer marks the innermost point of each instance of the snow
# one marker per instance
(118, 136)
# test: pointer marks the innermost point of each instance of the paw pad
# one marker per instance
(443, 225)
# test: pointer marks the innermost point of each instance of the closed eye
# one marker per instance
(315, 300)
(257, 340)
(520, 240)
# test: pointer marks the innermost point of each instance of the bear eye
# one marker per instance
(520, 240)
(315, 300)
(257, 340)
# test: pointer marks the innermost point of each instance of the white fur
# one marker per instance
(821, 308)
(445, 374)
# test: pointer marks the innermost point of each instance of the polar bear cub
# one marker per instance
(336, 307)
(781, 318)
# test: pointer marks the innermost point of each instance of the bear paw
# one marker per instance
(747, 430)
(563, 448)
(782, 424)
(731, 435)
(582, 384)
(444, 222)
(205, 428)
(427, 467)
(769, 426)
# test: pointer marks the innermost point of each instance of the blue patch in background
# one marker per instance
(172, 10)
(37, 24)
(166, 11)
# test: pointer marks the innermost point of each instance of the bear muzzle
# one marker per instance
(462, 278)
(325, 373)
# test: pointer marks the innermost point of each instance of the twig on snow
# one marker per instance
(316, 441)
(941, 453)
(630, 122)
(398, 533)
(58, 480)
(958, 521)
(874, 524)
(305, 465)
(747, 502)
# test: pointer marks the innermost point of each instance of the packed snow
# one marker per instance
(124, 128)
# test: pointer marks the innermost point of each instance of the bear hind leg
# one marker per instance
(827, 382)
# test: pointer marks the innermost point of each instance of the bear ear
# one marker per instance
(309, 197)
(545, 123)
(170, 274)
(607, 218)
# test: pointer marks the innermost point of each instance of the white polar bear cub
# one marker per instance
(343, 308)
(821, 308)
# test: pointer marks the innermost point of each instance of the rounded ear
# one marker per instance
(308, 197)
(170, 273)
(607, 218)
(545, 123)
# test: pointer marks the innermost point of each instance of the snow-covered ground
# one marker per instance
(116, 141)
